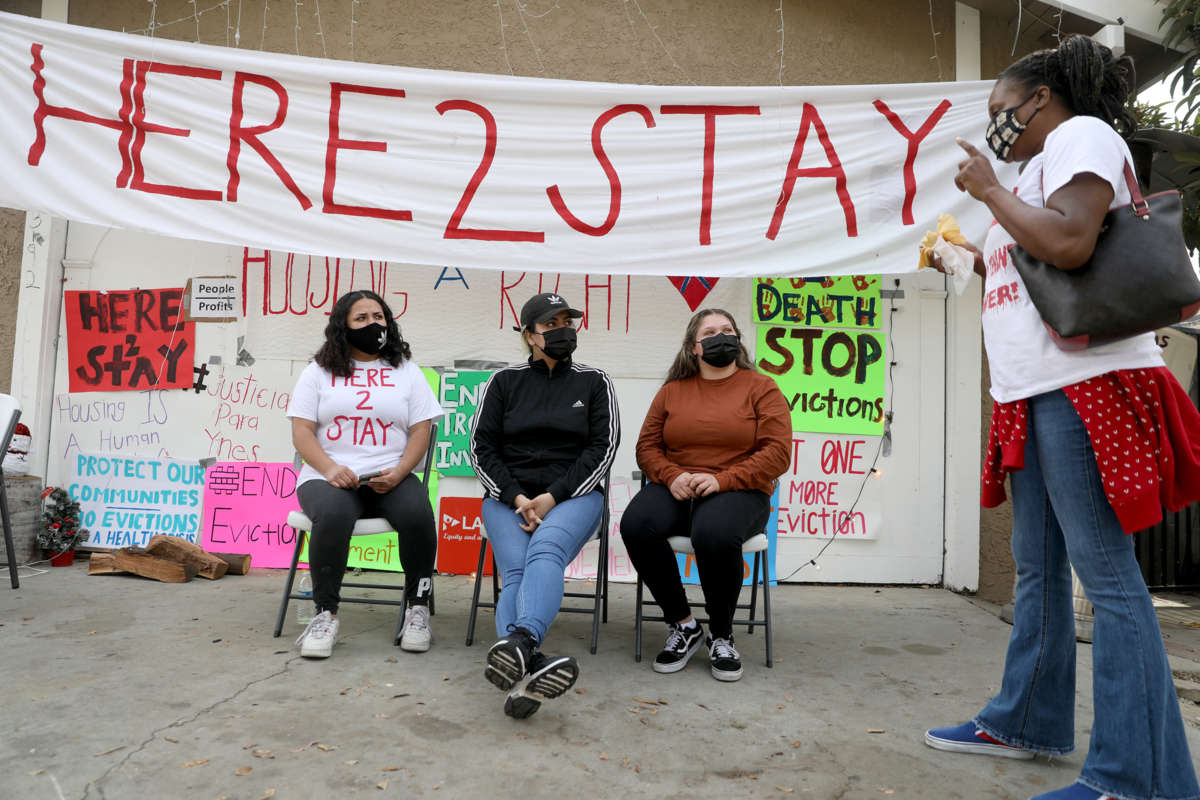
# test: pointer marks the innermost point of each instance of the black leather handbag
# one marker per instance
(1138, 279)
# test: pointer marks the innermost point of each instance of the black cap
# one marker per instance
(542, 307)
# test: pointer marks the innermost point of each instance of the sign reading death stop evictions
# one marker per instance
(123, 501)
(820, 339)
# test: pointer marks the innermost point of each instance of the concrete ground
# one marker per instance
(119, 687)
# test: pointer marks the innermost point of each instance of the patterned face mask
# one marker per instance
(1004, 129)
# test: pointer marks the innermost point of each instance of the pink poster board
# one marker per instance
(245, 511)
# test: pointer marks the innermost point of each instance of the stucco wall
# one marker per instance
(647, 41)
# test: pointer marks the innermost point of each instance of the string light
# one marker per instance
(661, 43)
(320, 29)
(153, 17)
(237, 34)
(353, 22)
(195, 18)
(782, 42)
(1020, 12)
(503, 38)
(537, 51)
(296, 33)
(155, 25)
(263, 42)
(636, 41)
(935, 58)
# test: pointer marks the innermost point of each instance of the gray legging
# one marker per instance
(334, 511)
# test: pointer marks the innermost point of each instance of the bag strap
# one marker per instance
(1135, 194)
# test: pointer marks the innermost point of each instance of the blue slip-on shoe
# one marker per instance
(968, 738)
(1076, 791)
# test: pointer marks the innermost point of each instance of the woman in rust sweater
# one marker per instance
(715, 439)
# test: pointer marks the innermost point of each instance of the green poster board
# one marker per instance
(459, 397)
(378, 551)
(849, 301)
(833, 379)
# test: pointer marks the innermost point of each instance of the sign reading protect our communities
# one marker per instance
(125, 500)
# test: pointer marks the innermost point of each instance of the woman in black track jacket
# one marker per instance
(543, 440)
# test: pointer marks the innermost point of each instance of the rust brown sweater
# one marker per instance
(737, 428)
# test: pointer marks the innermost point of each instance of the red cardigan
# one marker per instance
(1144, 430)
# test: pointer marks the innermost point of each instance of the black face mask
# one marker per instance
(1004, 129)
(559, 343)
(370, 339)
(720, 350)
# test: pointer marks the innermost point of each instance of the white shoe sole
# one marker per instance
(725, 675)
(980, 749)
(667, 669)
(415, 645)
(308, 651)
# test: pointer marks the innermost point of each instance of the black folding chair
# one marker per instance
(10, 414)
(365, 526)
(599, 596)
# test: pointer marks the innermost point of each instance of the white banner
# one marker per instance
(364, 161)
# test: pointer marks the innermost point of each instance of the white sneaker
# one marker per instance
(416, 635)
(319, 637)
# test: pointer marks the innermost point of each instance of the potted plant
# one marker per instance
(59, 531)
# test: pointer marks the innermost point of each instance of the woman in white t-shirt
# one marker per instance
(361, 415)
(1094, 442)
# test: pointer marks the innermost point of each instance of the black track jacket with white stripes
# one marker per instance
(540, 431)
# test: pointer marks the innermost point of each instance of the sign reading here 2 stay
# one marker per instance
(128, 340)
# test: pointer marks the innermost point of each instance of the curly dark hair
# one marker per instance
(1086, 76)
(334, 355)
(686, 363)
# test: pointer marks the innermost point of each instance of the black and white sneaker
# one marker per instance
(681, 644)
(549, 677)
(726, 663)
(508, 659)
(519, 705)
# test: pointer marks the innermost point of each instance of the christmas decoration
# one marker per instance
(60, 530)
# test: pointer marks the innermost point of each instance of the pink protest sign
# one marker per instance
(245, 511)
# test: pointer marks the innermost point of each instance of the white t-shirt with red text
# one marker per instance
(363, 420)
(1022, 357)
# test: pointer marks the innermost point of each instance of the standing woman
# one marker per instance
(542, 442)
(1071, 428)
(362, 407)
(713, 443)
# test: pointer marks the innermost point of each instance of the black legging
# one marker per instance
(718, 525)
(334, 511)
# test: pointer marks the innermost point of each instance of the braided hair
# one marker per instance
(1086, 76)
(334, 354)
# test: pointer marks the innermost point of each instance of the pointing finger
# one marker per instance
(965, 145)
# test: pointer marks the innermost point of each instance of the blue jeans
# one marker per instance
(532, 565)
(1061, 518)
